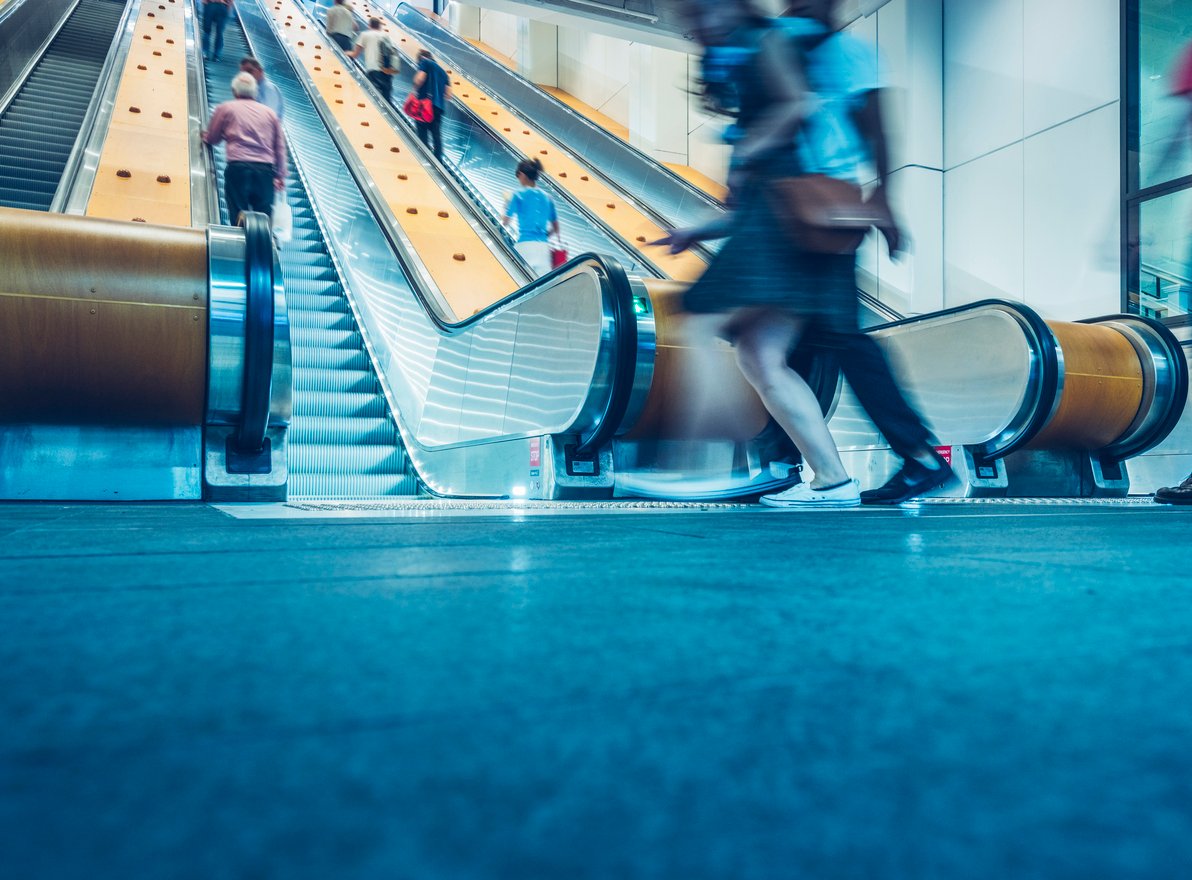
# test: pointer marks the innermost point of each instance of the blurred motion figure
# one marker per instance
(807, 122)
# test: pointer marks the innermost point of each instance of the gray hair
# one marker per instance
(244, 85)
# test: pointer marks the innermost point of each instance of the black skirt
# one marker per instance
(759, 266)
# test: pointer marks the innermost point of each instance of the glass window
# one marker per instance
(1164, 287)
(1164, 36)
(1158, 185)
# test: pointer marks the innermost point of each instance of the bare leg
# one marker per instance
(763, 341)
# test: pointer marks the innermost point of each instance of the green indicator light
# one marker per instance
(640, 306)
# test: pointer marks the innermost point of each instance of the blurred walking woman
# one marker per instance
(537, 219)
(773, 291)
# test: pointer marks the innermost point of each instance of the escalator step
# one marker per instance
(354, 458)
(314, 486)
(338, 381)
(331, 430)
(330, 403)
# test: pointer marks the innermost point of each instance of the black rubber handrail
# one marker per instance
(258, 333)
(624, 360)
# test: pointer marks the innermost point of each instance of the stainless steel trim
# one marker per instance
(35, 58)
(226, 304)
(74, 189)
(1160, 380)
(647, 347)
(204, 198)
(281, 399)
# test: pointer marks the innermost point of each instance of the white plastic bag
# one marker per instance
(283, 219)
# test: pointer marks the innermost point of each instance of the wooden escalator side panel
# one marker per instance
(143, 173)
(1103, 388)
(101, 321)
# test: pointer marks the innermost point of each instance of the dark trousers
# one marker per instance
(428, 131)
(248, 186)
(344, 41)
(383, 82)
(215, 16)
(868, 373)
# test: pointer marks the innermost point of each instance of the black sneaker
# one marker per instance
(914, 479)
(1181, 494)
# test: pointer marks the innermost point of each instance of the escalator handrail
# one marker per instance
(1048, 379)
(258, 333)
(616, 289)
(608, 136)
(204, 189)
(624, 365)
(78, 177)
(559, 192)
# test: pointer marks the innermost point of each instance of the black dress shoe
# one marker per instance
(914, 479)
(1181, 494)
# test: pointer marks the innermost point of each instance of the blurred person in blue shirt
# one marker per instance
(537, 219)
(267, 93)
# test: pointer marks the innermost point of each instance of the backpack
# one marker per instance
(386, 53)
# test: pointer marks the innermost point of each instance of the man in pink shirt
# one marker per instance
(256, 150)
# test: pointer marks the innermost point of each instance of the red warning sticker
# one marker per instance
(536, 452)
(945, 453)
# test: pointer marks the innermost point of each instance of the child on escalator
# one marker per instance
(537, 219)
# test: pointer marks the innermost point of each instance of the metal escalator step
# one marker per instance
(298, 245)
(308, 273)
(340, 458)
(316, 338)
(322, 320)
(15, 202)
(330, 358)
(317, 302)
(337, 430)
(332, 403)
(315, 486)
(41, 124)
(318, 260)
(340, 381)
(313, 287)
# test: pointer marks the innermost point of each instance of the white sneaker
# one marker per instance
(803, 497)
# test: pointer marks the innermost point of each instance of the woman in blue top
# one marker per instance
(537, 219)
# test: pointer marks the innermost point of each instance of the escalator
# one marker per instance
(39, 128)
(343, 442)
(556, 390)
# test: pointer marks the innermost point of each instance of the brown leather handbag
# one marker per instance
(823, 215)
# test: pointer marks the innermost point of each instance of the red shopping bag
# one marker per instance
(419, 109)
(558, 254)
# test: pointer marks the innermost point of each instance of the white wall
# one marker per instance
(499, 30)
(596, 69)
(907, 36)
(1031, 154)
(1004, 132)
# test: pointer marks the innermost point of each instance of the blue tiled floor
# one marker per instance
(953, 692)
